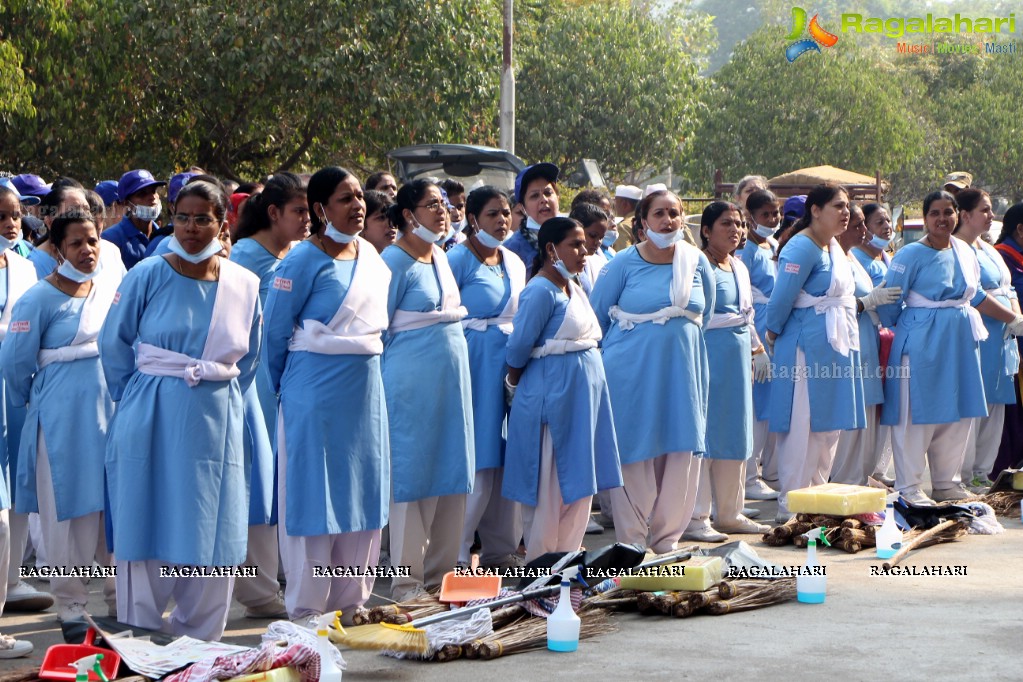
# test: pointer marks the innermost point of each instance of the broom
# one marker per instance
(531, 634)
(946, 531)
(769, 593)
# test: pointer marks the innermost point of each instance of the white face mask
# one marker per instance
(6, 243)
(663, 240)
(76, 275)
(426, 234)
(489, 240)
(879, 243)
(460, 225)
(610, 237)
(148, 213)
(211, 249)
(764, 231)
(336, 235)
(532, 224)
(559, 265)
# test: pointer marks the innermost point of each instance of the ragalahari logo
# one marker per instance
(818, 36)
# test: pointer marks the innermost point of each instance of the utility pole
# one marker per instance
(507, 85)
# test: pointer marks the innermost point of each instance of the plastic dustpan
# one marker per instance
(459, 589)
(59, 657)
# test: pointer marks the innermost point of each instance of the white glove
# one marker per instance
(509, 391)
(880, 296)
(1015, 328)
(761, 367)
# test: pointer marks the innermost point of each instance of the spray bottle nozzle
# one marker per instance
(818, 534)
(83, 665)
(324, 622)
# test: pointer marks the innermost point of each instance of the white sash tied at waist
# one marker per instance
(315, 337)
(579, 331)
(451, 308)
(516, 281)
(722, 320)
(838, 305)
(916, 300)
(627, 321)
(48, 356)
(562, 346)
(160, 362)
(746, 314)
(480, 324)
(758, 296)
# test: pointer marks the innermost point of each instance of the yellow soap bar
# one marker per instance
(1017, 480)
(696, 575)
(836, 499)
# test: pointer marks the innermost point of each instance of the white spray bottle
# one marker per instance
(889, 536)
(563, 625)
(83, 665)
(812, 582)
(329, 672)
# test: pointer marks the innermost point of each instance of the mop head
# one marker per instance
(457, 632)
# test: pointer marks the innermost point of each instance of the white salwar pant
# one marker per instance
(942, 446)
(307, 594)
(74, 542)
(656, 500)
(497, 519)
(854, 457)
(425, 536)
(763, 463)
(260, 553)
(552, 525)
(722, 481)
(804, 456)
(201, 604)
(982, 447)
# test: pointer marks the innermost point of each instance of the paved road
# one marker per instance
(871, 628)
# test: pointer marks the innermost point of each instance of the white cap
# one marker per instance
(628, 192)
(656, 187)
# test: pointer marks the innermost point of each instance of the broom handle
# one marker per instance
(515, 598)
(908, 546)
(528, 594)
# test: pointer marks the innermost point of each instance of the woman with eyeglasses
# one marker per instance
(429, 400)
(325, 314)
(561, 434)
(179, 348)
(490, 279)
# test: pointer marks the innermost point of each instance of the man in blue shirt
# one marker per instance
(137, 191)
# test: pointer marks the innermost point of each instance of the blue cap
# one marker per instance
(178, 181)
(26, 199)
(795, 206)
(135, 181)
(107, 189)
(31, 185)
(547, 171)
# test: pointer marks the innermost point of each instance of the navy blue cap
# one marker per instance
(135, 181)
(178, 181)
(795, 206)
(107, 189)
(26, 199)
(547, 171)
(31, 185)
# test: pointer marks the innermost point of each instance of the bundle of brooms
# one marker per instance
(1004, 502)
(729, 596)
(845, 533)
(529, 633)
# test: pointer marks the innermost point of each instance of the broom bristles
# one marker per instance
(384, 637)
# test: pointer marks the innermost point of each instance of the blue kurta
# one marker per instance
(567, 393)
(999, 387)
(485, 294)
(763, 271)
(260, 401)
(75, 438)
(945, 380)
(875, 267)
(834, 385)
(43, 262)
(335, 418)
(657, 375)
(870, 343)
(13, 415)
(729, 352)
(521, 247)
(429, 390)
(175, 454)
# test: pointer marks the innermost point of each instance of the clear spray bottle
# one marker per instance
(329, 671)
(812, 582)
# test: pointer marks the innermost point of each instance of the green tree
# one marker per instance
(605, 81)
(840, 107)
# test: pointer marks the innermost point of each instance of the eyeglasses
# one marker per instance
(433, 206)
(199, 220)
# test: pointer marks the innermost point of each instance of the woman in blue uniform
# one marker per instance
(271, 222)
(999, 355)
(490, 279)
(429, 400)
(50, 360)
(811, 322)
(940, 386)
(325, 314)
(179, 348)
(561, 436)
(536, 191)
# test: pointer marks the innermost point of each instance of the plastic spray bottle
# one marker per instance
(889, 536)
(329, 672)
(812, 583)
(563, 624)
(83, 665)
